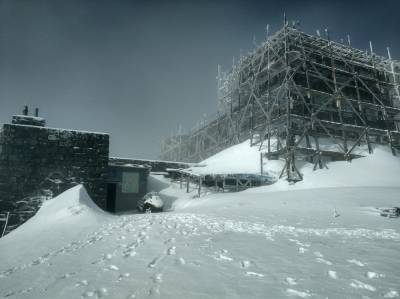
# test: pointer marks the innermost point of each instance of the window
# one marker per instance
(130, 182)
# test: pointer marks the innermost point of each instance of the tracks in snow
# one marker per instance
(127, 239)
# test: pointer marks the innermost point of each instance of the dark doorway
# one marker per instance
(111, 196)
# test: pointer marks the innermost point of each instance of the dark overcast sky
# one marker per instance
(139, 69)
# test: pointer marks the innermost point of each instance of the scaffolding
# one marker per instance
(293, 91)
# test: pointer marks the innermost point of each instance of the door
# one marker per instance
(111, 197)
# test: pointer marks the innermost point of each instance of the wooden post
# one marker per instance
(237, 184)
(199, 192)
(368, 143)
(223, 184)
(181, 181)
(261, 164)
(187, 184)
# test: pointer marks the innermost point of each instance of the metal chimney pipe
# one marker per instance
(25, 111)
(36, 112)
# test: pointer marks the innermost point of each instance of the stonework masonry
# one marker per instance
(34, 158)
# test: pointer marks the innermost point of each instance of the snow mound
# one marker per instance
(64, 216)
(379, 169)
(71, 203)
(240, 158)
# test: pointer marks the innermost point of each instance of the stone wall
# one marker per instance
(33, 159)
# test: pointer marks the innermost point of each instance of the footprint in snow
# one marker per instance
(296, 293)
(291, 281)
(301, 244)
(332, 274)
(67, 275)
(391, 294)
(323, 261)
(171, 240)
(123, 276)
(303, 250)
(222, 257)
(356, 262)
(254, 274)
(111, 268)
(82, 283)
(13, 293)
(157, 278)
(320, 258)
(181, 261)
(88, 294)
(372, 275)
(245, 264)
(318, 254)
(129, 253)
(9, 294)
(105, 257)
(154, 262)
(360, 285)
(171, 250)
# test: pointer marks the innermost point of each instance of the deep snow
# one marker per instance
(320, 238)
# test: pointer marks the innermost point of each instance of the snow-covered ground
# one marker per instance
(320, 238)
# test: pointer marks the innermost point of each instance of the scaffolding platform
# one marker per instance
(295, 88)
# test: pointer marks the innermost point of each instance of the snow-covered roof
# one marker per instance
(112, 164)
(60, 129)
(37, 118)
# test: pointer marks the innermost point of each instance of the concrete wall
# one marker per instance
(30, 154)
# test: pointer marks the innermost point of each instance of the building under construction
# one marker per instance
(294, 93)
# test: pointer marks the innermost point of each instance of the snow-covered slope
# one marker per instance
(281, 241)
(241, 158)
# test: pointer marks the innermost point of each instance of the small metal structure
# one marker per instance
(26, 119)
(126, 186)
(293, 91)
(232, 182)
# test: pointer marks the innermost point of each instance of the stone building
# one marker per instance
(37, 161)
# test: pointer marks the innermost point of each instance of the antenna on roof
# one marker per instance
(371, 48)
(267, 30)
(318, 33)
(388, 52)
(327, 34)
(348, 39)
(284, 19)
(254, 40)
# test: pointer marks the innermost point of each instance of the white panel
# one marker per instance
(130, 182)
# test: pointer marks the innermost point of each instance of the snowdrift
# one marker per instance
(325, 241)
(66, 216)
(378, 169)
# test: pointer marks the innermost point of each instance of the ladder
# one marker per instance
(4, 218)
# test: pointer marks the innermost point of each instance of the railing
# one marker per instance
(4, 218)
